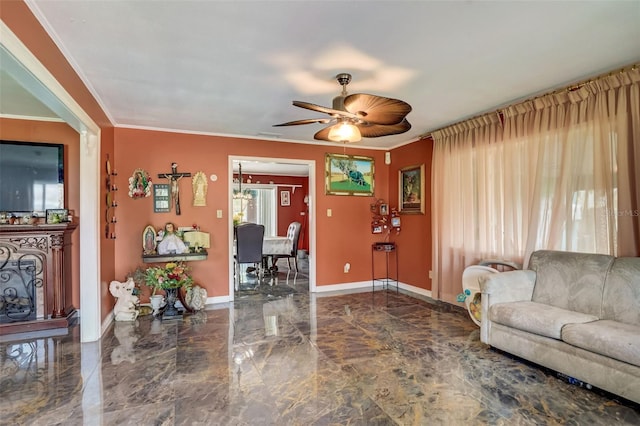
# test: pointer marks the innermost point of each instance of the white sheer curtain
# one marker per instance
(259, 207)
(562, 173)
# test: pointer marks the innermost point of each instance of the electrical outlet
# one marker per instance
(329, 212)
(347, 267)
(219, 214)
(430, 275)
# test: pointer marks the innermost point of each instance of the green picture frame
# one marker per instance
(349, 175)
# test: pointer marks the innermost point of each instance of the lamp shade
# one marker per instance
(344, 132)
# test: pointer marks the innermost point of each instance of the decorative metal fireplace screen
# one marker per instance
(18, 291)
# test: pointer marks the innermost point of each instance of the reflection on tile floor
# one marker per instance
(280, 356)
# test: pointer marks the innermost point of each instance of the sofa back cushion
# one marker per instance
(572, 281)
(621, 299)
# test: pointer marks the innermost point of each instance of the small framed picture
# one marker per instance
(149, 237)
(411, 193)
(57, 215)
(384, 209)
(161, 198)
(285, 198)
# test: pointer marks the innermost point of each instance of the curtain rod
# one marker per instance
(566, 89)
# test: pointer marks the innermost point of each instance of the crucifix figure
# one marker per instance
(174, 177)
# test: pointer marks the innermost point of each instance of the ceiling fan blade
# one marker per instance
(368, 130)
(377, 109)
(330, 111)
(305, 121)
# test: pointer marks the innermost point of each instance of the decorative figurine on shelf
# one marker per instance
(125, 308)
(171, 243)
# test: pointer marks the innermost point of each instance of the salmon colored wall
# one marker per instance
(343, 237)
(296, 211)
(414, 240)
(59, 133)
(17, 16)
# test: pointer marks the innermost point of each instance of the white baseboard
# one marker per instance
(366, 286)
(417, 290)
(344, 286)
(217, 299)
(106, 323)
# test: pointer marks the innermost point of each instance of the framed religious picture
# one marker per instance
(149, 240)
(349, 175)
(411, 191)
(161, 198)
(285, 198)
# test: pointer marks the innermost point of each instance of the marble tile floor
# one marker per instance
(281, 356)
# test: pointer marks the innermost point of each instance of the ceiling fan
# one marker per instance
(356, 116)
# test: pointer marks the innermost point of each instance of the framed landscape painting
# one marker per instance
(349, 175)
(411, 191)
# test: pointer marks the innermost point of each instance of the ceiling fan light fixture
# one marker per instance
(344, 132)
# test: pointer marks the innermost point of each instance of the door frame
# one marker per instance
(34, 76)
(311, 222)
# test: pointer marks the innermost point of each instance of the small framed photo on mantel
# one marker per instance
(57, 216)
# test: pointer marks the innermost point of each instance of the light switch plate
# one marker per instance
(219, 214)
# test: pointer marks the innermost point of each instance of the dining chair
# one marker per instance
(293, 233)
(248, 237)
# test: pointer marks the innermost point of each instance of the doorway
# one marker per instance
(29, 73)
(261, 166)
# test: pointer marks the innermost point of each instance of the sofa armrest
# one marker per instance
(512, 286)
(509, 286)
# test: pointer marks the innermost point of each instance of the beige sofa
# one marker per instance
(575, 313)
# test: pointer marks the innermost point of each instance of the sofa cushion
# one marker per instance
(621, 298)
(572, 281)
(609, 338)
(537, 318)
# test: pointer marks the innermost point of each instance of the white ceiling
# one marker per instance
(233, 67)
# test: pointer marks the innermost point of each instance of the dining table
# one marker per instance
(272, 247)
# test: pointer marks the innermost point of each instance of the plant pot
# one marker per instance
(157, 303)
(170, 311)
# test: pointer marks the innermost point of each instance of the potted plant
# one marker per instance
(171, 278)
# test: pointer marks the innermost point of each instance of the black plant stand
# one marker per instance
(387, 248)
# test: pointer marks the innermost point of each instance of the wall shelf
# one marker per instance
(182, 257)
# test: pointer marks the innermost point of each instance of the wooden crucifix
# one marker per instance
(174, 177)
